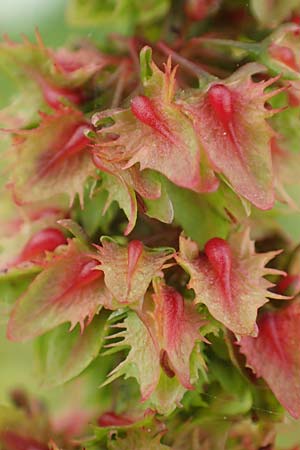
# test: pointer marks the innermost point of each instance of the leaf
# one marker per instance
(75, 229)
(122, 193)
(60, 75)
(160, 208)
(116, 16)
(271, 13)
(142, 361)
(198, 217)
(236, 397)
(28, 233)
(51, 159)
(12, 285)
(280, 50)
(94, 217)
(274, 354)
(167, 395)
(177, 323)
(155, 133)
(129, 270)
(228, 278)
(138, 440)
(161, 343)
(232, 115)
(64, 354)
(68, 290)
(123, 186)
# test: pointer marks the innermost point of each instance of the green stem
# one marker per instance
(250, 47)
(189, 66)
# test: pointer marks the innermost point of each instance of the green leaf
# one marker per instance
(64, 354)
(240, 399)
(94, 217)
(142, 361)
(194, 213)
(160, 208)
(12, 285)
(138, 440)
(271, 13)
(115, 16)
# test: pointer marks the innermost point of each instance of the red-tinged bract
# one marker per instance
(55, 156)
(228, 277)
(275, 356)
(129, 270)
(60, 75)
(177, 325)
(45, 240)
(124, 186)
(70, 289)
(230, 122)
(156, 133)
(28, 233)
(161, 344)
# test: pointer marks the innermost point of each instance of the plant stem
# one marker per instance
(250, 47)
(189, 66)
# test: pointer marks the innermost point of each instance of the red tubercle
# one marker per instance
(294, 101)
(144, 110)
(45, 240)
(199, 9)
(270, 326)
(135, 250)
(296, 19)
(54, 95)
(111, 419)
(73, 142)
(219, 255)
(172, 311)
(289, 282)
(165, 364)
(220, 99)
(275, 148)
(47, 212)
(196, 9)
(285, 55)
(88, 273)
(14, 441)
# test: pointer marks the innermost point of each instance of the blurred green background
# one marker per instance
(17, 362)
(22, 16)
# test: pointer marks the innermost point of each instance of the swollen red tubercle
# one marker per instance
(88, 274)
(284, 55)
(135, 250)
(75, 143)
(45, 240)
(219, 255)
(144, 110)
(220, 99)
(173, 311)
(13, 441)
(54, 95)
(110, 419)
